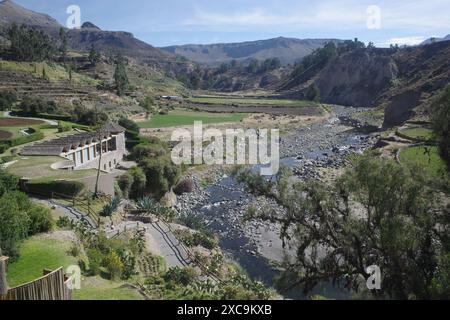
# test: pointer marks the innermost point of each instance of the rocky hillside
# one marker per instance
(402, 81)
(90, 35)
(288, 50)
(10, 13)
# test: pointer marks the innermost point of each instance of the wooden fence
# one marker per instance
(52, 286)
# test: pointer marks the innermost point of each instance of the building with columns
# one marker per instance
(82, 151)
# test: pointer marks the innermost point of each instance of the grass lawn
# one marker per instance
(38, 168)
(37, 254)
(96, 288)
(182, 118)
(418, 133)
(433, 164)
(252, 101)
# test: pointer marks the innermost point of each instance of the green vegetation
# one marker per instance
(37, 254)
(251, 101)
(441, 123)
(54, 72)
(19, 216)
(182, 284)
(198, 238)
(427, 157)
(36, 107)
(120, 76)
(419, 133)
(30, 44)
(184, 118)
(7, 100)
(54, 189)
(377, 213)
(313, 93)
(97, 288)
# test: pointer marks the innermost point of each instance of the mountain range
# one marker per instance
(288, 50)
(434, 40)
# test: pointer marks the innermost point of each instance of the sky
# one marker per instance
(175, 22)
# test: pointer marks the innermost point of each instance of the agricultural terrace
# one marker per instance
(213, 100)
(179, 117)
(427, 157)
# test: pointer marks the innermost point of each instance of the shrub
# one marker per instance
(109, 209)
(63, 222)
(64, 127)
(129, 124)
(8, 182)
(95, 257)
(161, 174)
(125, 181)
(113, 265)
(41, 219)
(182, 276)
(56, 188)
(14, 225)
(185, 186)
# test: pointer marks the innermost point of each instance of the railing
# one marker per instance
(52, 286)
(84, 203)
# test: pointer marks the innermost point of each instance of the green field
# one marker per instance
(252, 101)
(418, 133)
(37, 254)
(96, 288)
(183, 118)
(433, 164)
(38, 168)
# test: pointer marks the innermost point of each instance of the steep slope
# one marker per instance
(401, 81)
(83, 38)
(10, 13)
(90, 35)
(288, 50)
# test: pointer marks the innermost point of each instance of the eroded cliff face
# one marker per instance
(403, 82)
(356, 79)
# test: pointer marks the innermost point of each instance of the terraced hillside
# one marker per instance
(24, 84)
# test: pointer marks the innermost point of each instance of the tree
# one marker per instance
(148, 104)
(129, 124)
(7, 99)
(313, 93)
(30, 44)
(161, 174)
(94, 55)
(253, 66)
(441, 123)
(378, 213)
(120, 76)
(63, 47)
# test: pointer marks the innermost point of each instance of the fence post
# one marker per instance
(3, 281)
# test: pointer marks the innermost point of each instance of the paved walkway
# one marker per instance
(163, 241)
(70, 212)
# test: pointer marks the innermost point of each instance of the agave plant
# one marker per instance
(146, 205)
(110, 208)
(149, 206)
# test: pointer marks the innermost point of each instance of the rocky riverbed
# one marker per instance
(223, 204)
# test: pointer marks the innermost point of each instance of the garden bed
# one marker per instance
(15, 122)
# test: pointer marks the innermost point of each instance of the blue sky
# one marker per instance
(169, 22)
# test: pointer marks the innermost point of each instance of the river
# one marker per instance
(256, 245)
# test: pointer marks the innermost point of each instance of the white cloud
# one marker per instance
(395, 14)
(409, 41)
